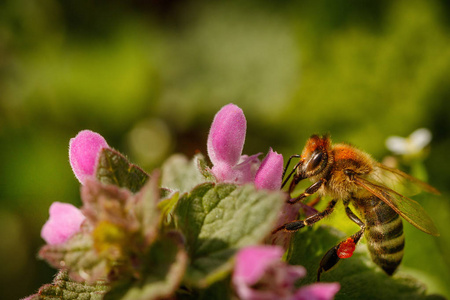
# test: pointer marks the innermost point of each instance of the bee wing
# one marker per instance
(409, 209)
(400, 181)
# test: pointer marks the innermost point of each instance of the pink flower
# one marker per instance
(64, 221)
(227, 135)
(288, 213)
(317, 291)
(269, 173)
(84, 150)
(260, 274)
(225, 143)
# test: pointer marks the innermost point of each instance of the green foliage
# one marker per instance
(219, 219)
(114, 168)
(162, 270)
(219, 290)
(118, 229)
(358, 276)
(77, 254)
(182, 174)
(130, 242)
(65, 288)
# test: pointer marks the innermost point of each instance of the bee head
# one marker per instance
(315, 156)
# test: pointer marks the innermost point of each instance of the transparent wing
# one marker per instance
(409, 209)
(401, 182)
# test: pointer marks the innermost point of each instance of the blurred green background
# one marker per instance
(150, 75)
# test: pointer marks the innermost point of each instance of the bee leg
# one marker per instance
(344, 249)
(309, 191)
(357, 236)
(329, 260)
(297, 225)
(355, 219)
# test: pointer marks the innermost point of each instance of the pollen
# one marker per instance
(346, 248)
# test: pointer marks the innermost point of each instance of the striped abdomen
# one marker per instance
(384, 234)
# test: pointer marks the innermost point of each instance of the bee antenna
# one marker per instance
(286, 167)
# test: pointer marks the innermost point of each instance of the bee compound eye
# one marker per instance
(349, 173)
(314, 161)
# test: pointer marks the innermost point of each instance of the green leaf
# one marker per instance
(146, 208)
(164, 267)
(119, 226)
(64, 288)
(117, 232)
(114, 168)
(219, 290)
(219, 219)
(166, 207)
(181, 174)
(359, 277)
(203, 167)
(78, 256)
(103, 202)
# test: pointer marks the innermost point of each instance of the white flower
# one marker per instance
(411, 145)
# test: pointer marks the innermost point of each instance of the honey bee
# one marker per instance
(346, 173)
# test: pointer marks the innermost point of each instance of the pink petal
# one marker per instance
(64, 221)
(317, 291)
(224, 173)
(270, 172)
(260, 274)
(243, 172)
(251, 263)
(308, 210)
(247, 168)
(247, 293)
(227, 135)
(288, 213)
(293, 273)
(84, 150)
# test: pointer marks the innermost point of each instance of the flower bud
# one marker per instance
(270, 172)
(84, 150)
(227, 135)
(64, 221)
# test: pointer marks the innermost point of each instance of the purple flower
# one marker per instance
(260, 274)
(317, 291)
(64, 221)
(84, 150)
(288, 213)
(225, 143)
(269, 173)
(227, 135)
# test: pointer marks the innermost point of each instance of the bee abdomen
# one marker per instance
(385, 238)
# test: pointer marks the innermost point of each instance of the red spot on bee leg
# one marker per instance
(346, 248)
